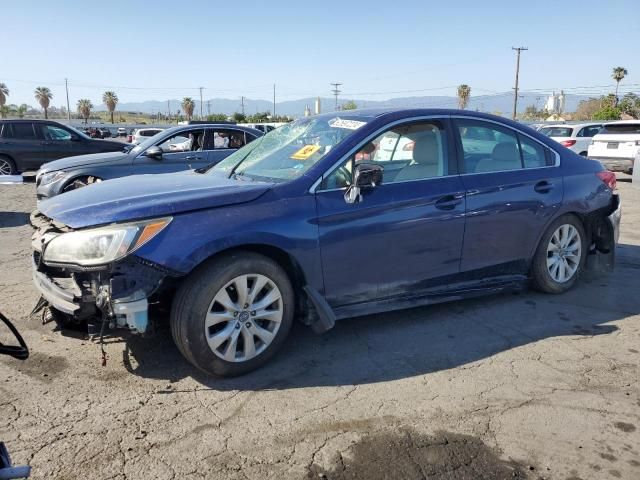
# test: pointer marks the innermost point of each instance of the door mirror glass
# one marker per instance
(154, 152)
(366, 176)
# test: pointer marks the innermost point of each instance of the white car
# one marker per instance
(574, 137)
(142, 134)
(617, 145)
(122, 132)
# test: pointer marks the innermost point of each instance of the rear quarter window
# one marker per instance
(557, 131)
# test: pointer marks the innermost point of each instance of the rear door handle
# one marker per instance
(543, 187)
(193, 157)
(448, 202)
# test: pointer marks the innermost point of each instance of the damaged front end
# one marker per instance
(96, 278)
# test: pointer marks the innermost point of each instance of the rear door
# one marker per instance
(583, 138)
(513, 187)
(405, 234)
(21, 141)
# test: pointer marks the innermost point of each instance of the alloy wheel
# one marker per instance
(244, 317)
(5, 167)
(564, 253)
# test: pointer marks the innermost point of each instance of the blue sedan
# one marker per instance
(329, 217)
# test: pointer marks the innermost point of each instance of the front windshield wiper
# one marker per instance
(233, 170)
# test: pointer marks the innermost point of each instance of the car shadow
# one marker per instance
(13, 219)
(418, 341)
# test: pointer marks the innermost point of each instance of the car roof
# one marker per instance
(225, 126)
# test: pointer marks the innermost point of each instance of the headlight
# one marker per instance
(51, 177)
(102, 245)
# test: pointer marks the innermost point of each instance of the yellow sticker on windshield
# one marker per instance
(305, 152)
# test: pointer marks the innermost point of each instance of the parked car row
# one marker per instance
(614, 144)
(332, 216)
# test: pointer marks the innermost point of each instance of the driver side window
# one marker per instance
(185, 141)
(414, 151)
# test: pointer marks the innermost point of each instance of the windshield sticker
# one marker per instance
(348, 124)
(305, 152)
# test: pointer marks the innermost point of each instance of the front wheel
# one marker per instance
(7, 167)
(233, 314)
(561, 255)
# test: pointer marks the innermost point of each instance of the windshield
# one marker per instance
(556, 131)
(289, 151)
(620, 128)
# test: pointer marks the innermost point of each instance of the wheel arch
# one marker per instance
(285, 260)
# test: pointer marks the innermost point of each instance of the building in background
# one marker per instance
(318, 109)
(555, 103)
(307, 111)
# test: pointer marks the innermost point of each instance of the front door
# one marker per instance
(185, 150)
(404, 234)
(513, 189)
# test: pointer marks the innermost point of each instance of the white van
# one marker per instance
(616, 145)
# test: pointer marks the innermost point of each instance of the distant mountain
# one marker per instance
(295, 108)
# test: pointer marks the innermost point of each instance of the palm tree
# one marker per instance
(4, 93)
(84, 108)
(618, 74)
(464, 92)
(21, 110)
(4, 111)
(188, 105)
(110, 99)
(44, 96)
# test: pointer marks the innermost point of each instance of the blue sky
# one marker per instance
(378, 49)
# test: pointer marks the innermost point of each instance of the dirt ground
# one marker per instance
(509, 386)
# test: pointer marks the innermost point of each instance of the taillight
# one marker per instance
(568, 143)
(608, 178)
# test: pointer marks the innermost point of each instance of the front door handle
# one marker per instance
(448, 202)
(193, 157)
(543, 187)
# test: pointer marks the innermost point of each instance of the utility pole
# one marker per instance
(336, 92)
(66, 86)
(201, 118)
(242, 104)
(515, 96)
(273, 115)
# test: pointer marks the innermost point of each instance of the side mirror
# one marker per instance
(365, 176)
(154, 152)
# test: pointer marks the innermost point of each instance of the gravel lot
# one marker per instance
(510, 386)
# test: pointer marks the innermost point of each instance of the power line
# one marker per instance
(336, 92)
(515, 96)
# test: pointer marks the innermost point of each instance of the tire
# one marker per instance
(7, 166)
(200, 323)
(563, 248)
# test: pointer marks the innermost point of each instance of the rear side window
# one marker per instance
(488, 147)
(589, 131)
(19, 131)
(228, 139)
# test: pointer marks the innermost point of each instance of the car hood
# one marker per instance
(148, 196)
(82, 160)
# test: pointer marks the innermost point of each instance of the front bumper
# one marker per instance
(90, 295)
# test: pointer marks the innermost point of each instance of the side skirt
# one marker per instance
(434, 296)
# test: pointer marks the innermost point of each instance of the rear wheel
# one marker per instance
(233, 314)
(81, 182)
(561, 255)
(7, 166)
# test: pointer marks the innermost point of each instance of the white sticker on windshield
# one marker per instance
(348, 124)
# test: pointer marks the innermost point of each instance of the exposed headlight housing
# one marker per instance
(51, 177)
(100, 246)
